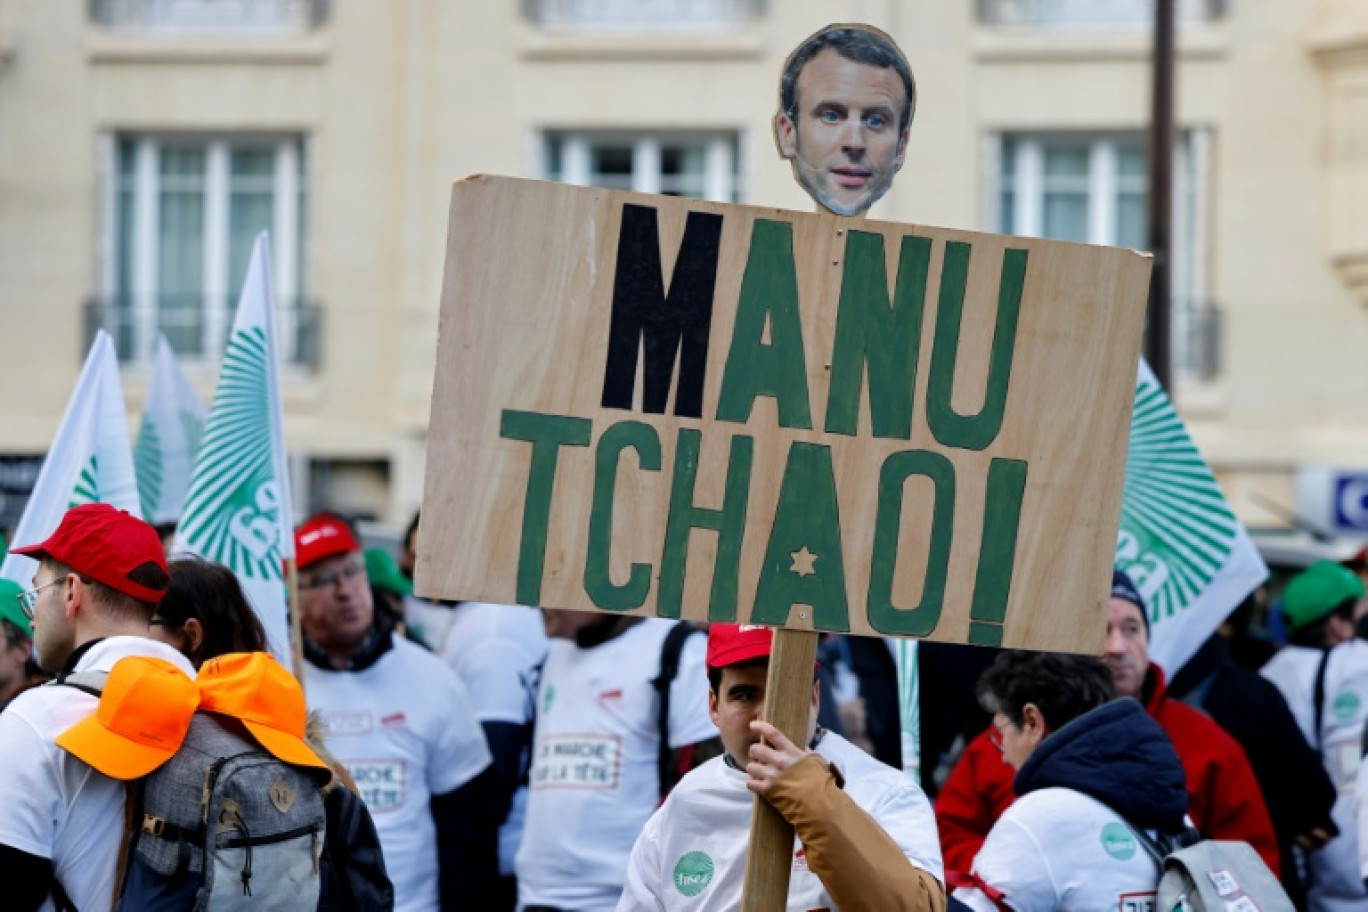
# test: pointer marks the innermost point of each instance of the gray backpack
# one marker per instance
(220, 827)
(1213, 874)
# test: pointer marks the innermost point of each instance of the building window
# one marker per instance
(700, 166)
(1091, 14)
(643, 15)
(185, 213)
(212, 17)
(1094, 189)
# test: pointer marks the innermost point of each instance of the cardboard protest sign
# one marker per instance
(686, 409)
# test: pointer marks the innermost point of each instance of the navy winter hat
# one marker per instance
(1123, 588)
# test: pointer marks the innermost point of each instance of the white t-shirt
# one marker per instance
(55, 806)
(405, 731)
(1058, 849)
(497, 650)
(692, 853)
(1336, 884)
(1361, 815)
(594, 779)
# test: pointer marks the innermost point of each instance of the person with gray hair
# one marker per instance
(846, 100)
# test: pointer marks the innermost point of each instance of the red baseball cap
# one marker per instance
(322, 536)
(732, 644)
(111, 546)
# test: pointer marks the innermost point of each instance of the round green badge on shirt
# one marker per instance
(1117, 841)
(693, 872)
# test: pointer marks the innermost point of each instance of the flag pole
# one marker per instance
(296, 630)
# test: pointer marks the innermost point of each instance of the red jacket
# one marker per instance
(1224, 800)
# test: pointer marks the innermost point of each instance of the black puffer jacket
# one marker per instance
(1118, 755)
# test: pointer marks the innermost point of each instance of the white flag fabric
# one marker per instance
(238, 511)
(909, 705)
(89, 461)
(1180, 543)
(168, 438)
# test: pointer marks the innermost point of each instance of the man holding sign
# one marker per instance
(692, 853)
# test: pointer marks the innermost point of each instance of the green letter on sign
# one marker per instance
(729, 523)
(869, 332)
(997, 553)
(597, 583)
(769, 291)
(920, 620)
(803, 563)
(547, 434)
(972, 432)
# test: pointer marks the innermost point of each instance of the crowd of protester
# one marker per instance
(500, 757)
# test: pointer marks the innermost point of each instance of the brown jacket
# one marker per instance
(859, 864)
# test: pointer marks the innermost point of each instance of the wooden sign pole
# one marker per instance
(788, 701)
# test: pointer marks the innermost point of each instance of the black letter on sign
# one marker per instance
(641, 311)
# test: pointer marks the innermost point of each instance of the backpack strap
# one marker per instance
(60, 901)
(670, 652)
(91, 682)
(956, 879)
(1320, 698)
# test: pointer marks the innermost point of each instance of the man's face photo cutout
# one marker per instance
(846, 100)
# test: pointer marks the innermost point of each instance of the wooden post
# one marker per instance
(296, 631)
(788, 698)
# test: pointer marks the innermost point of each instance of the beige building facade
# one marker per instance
(143, 143)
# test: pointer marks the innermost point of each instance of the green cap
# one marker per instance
(384, 572)
(1317, 591)
(9, 607)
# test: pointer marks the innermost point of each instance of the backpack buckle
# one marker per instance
(153, 826)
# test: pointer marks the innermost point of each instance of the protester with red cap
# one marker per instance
(401, 722)
(99, 578)
(855, 817)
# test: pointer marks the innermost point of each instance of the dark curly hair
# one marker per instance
(1062, 686)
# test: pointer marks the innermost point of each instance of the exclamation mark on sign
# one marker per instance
(997, 551)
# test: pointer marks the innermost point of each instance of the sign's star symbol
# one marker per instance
(803, 559)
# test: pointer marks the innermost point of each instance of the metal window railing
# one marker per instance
(196, 331)
(636, 15)
(1090, 14)
(1198, 338)
(252, 17)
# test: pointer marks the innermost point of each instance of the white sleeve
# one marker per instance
(689, 718)
(642, 891)
(1361, 813)
(906, 815)
(1012, 861)
(459, 752)
(498, 679)
(31, 789)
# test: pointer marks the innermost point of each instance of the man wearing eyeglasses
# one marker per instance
(97, 580)
(401, 722)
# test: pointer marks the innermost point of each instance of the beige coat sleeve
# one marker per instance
(860, 865)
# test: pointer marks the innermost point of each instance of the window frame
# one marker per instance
(1193, 311)
(722, 150)
(219, 291)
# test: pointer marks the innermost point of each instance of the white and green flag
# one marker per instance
(1180, 543)
(168, 438)
(909, 704)
(238, 510)
(89, 460)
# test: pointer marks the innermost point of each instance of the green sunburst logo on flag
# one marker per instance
(147, 463)
(87, 490)
(1176, 529)
(232, 512)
